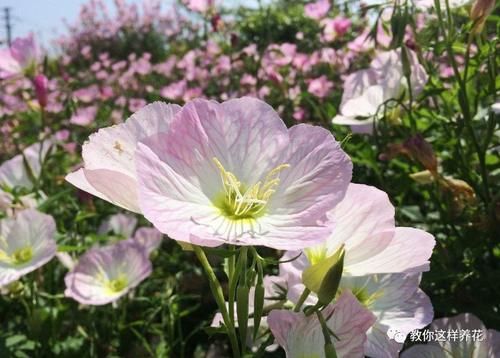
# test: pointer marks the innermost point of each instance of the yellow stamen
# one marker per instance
(18, 257)
(241, 202)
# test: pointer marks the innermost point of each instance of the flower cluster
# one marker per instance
(227, 151)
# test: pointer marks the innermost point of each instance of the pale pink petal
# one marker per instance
(119, 224)
(302, 336)
(29, 228)
(356, 83)
(465, 348)
(87, 281)
(179, 180)
(109, 155)
(13, 172)
(425, 351)
(317, 179)
(409, 251)
(149, 238)
(364, 211)
(120, 188)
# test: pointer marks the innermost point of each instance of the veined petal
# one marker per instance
(365, 105)
(356, 83)
(194, 179)
(13, 172)
(102, 275)
(425, 351)
(149, 238)
(408, 251)
(109, 155)
(317, 179)
(364, 211)
(302, 336)
(119, 224)
(26, 243)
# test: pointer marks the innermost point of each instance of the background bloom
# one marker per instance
(365, 91)
(103, 275)
(26, 243)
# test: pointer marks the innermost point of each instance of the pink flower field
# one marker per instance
(276, 179)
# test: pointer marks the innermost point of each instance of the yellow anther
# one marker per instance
(243, 202)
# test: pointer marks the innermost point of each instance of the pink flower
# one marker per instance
(248, 80)
(364, 224)
(485, 343)
(335, 28)
(317, 10)
(320, 87)
(201, 6)
(14, 172)
(302, 336)
(20, 56)
(84, 116)
(382, 265)
(136, 104)
(174, 91)
(103, 275)
(87, 94)
(299, 114)
(233, 173)
(109, 156)
(125, 225)
(27, 242)
(40, 83)
(365, 91)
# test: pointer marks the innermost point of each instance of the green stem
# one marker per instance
(216, 289)
(302, 299)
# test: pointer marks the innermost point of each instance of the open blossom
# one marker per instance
(365, 91)
(22, 54)
(26, 243)
(14, 173)
(109, 156)
(395, 300)
(199, 5)
(125, 226)
(472, 340)
(317, 10)
(302, 336)
(364, 224)
(373, 247)
(320, 87)
(84, 116)
(103, 275)
(233, 173)
(335, 28)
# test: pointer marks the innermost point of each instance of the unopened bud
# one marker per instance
(40, 83)
(420, 150)
(479, 12)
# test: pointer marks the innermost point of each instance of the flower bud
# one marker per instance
(40, 83)
(479, 12)
(423, 177)
(420, 150)
(323, 277)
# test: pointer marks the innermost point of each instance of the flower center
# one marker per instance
(241, 202)
(316, 254)
(118, 284)
(18, 257)
(364, 297)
